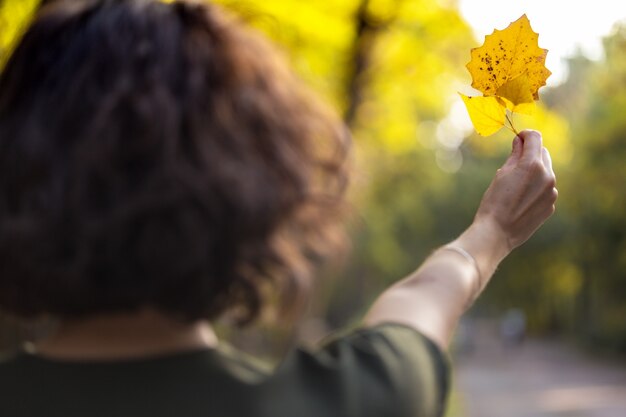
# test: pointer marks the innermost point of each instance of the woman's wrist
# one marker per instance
(487, 243)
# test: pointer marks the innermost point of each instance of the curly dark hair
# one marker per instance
(160, 155)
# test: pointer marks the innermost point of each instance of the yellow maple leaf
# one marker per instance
(487, 113)
(517, 95)
(509, 68)
(507, 54)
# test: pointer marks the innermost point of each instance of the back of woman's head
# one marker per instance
(159, 155)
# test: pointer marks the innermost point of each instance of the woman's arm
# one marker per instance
(520, 198)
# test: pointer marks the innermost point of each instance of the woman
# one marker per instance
(160, 168)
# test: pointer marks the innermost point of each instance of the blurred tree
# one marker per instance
(599, 196)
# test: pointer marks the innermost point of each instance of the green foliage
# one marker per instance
(598, 201)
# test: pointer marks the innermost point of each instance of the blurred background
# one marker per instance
(548, 337)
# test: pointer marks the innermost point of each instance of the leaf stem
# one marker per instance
(512, 128)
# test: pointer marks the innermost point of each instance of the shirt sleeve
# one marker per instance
(389, 370)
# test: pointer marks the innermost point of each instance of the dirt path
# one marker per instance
(538, 379)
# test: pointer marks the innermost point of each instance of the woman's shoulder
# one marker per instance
(13, 364)
(390, 369)
(16, 371)
(389, 342)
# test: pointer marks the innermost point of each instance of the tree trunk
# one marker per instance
(367, 30)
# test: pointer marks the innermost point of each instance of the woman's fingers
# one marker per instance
(547, 160)
(532, 145)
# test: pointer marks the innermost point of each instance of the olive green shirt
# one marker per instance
(385, 371)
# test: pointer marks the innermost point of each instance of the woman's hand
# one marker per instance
(521, 197)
